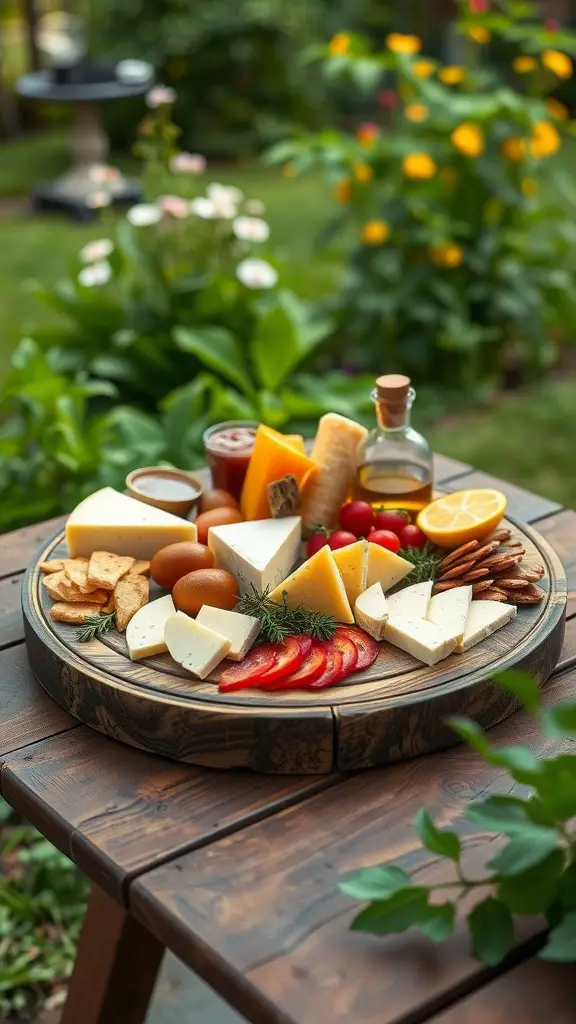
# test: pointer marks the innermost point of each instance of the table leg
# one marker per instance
(116, 967)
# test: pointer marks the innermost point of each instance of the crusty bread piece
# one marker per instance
(61, 588)
(52, 565)
(131, 593)
(77, 614)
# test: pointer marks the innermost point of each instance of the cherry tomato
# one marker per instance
(316, 541)
(386, 539)
(312, 667)
(368, 649)
(412, 537)
(356, 516)
(389, 520)
(248, 671)
(341, 539)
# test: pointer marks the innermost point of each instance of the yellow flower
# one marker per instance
(557, 109)
(529, 187)
(479, 34)
(289, 170)
(449, 256)
(399, 43)
(449, 176)
(451, 75)
(468, 139)
(363, 172)
(545, 139)
(419, 165)
(558, 62)
(339, 44)
(343, 191)
(423, 68)
(417, 112)
(515, 149)
(523, 65)
(375, 232)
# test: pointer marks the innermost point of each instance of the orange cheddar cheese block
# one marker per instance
(297, 442)
(318, 586)
(274, 457)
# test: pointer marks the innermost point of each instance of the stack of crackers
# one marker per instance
(99, 585)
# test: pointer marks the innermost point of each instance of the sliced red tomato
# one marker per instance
(311, 668)
(289, 656)
(349, 651)
(367, 647)
(304, 643)
(246, 672)
(333, 672)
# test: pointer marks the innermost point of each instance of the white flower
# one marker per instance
(174, 206)
(143, 215)
(214, 208)
(203, 207)
(97, 250)
(96, 200)
(251, 229)
(96, 274)
(256, 274)
(188, 163)
(101, 174)
(224, 193)
(255, 207)
(160, 96)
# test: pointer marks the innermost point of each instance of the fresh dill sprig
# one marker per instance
(279, 621)
(425, 561)
(95, 627)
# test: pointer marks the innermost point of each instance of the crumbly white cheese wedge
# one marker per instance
(412, 601)
(423, 640)
(194, 646)
(450, 609)
(145, 631)
(240, 630)
(484, 618)
(371, 611)
(110, 521)
(261, 552)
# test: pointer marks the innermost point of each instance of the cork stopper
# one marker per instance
(393, 399)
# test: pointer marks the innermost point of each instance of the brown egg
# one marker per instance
(217, 499)
(205, 586)
(176, 560)
(217, 517)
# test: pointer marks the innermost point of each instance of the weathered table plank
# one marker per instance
(521, 504)
(19, 547)
(446, 468)
(265, 904)
(560, 532)
(11, 624)
(27, 713)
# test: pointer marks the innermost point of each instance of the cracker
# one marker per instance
(63, 611)
(110, 604)
(52, 565)
(141, 567)
(131, 593)
(61, 588)
(105, 569)
(76, 570)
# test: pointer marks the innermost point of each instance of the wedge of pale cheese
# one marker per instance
(194, 646)
(411, 601)
(385, 567)
(145, 631)
(420, 638)
(484, 618)
(450, 609)
(316, 585)
(352, 562)
(371, 611)
(110, 521)
(240, 630)
(260, 553)
(334, 455)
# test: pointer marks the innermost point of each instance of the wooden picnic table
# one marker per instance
(236, 873)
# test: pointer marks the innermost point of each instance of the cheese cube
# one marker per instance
(352, 562)
(195, 647)
(260, 554)
(317, 585)
(240, 630)
(371, 611)
(145, 631)
(423, 640)
(110, 521)
(273, 457)
(412, 601)
(449, 610)
(484, 618)
(385, 567)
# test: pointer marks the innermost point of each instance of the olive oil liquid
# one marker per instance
(401, 485)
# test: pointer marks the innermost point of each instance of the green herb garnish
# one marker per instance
(425, 561)
(95, 627)
(279, 621)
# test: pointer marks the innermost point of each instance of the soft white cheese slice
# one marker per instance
(145, 631)
(371, 611)
(450, 609)
(260, 553)
(423, 640)
(412, 601)
(484, 618)
(240, 630)
(194, 646)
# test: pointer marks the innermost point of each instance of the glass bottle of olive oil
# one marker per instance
(394, 468)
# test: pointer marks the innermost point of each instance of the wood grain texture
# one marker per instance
(568, 653)
(446, 468)
(117, 812)
(262, 920)
(560, 532)
(11, 626)
(27, 713)
(19, 547)
(522, 504)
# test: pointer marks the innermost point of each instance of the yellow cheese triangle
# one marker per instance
(297, 442)
(317, 585)
(385, 567)
(352, 562)
(273, 457)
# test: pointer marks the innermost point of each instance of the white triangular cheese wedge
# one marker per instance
(260, 553)
(423, 640)
(195, 647)
(412, 601)
(371, 611)
(484, 618)
(145, 631)
(449, 610)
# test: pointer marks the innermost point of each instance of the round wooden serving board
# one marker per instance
(393, 710)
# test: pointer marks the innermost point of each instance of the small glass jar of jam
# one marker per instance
(228, 449)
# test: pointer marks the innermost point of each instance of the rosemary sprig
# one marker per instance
(425, 561)
(279, 621)
(95, 627)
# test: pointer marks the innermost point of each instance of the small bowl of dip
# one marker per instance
(172, 490)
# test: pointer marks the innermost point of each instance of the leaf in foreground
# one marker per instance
(399, 912)
(561, 943)
(376, 883)
(445, 844)
(491, 930)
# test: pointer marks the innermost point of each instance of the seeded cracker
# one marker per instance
(110, 604)
(131, 593)
(76, 570)
(74, 613)
(141, 567)
(105, 569)
(52, 565)
(61, 588)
